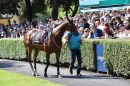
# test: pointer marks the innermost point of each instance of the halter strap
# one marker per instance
(56, 44)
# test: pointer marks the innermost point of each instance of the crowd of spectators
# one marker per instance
(104, 24)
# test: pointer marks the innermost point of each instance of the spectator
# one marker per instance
(95, 32)
(97, 23)
(107, 33)
(2, 32)
(112, 29)
(11, 33)
(114, 13)
(81, 30)
(85, 15)
(128, 12)
(126, 23)
(107, 17)
(21, 34)
(85, 24)
(123, 17)
(40, 27)
(80, 24)
(86, 33)
(122, 31)
(101, 26)
(128, 31)
(118, 21)
(93, 20)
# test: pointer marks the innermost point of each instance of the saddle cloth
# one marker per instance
(39, 37)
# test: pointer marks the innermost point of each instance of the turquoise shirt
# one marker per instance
(74, 41)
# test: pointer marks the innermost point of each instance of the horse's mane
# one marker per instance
(57, 24)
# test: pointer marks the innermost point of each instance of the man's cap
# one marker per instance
(120, 25)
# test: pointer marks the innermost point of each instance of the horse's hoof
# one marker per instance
(60, 77)
(33, 74)
(45, 75)
(37, 74)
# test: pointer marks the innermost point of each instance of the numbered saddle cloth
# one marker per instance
(39, 37)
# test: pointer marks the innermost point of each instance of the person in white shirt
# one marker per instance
(128, 12)
(128, 30)
(126, 23)
(101, 26)
(122, 31)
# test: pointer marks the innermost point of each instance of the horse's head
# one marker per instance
(72, 27)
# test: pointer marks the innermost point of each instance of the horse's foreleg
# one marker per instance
(48, 63)
(29, 58)
(35, 68)
(57, 61)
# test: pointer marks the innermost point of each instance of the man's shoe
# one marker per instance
(71, 71)
(79, 74)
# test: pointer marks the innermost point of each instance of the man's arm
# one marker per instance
(81, 40)
(65, 38)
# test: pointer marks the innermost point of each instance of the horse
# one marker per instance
(53, 45)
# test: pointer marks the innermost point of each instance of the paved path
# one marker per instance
(88, 78)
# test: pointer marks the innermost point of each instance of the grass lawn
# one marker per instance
(13, 79)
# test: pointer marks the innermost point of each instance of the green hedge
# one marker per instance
(116, 54)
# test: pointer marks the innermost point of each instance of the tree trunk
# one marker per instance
(55, 9)
(76, 7)
(28, 10)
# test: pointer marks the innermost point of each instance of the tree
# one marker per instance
(55, 4)
(9, 6)
(76, 5)
(55, 9)
(37, 6)
(33, 7)
(72, 5)
(1, 1)
(21, 10)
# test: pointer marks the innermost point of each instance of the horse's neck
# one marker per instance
(59, 32)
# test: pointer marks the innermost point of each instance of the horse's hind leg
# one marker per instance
(35, 57)
(29, 58)
(48, 63)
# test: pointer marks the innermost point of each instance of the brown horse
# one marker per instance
(54, 44)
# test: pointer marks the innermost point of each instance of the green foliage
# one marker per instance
(9, 6)
(62, 12)
(88, 55)
(14, 49)
(71, 5)
(39, 6)
(116, 54)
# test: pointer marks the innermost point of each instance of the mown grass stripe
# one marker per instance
(14, 79)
